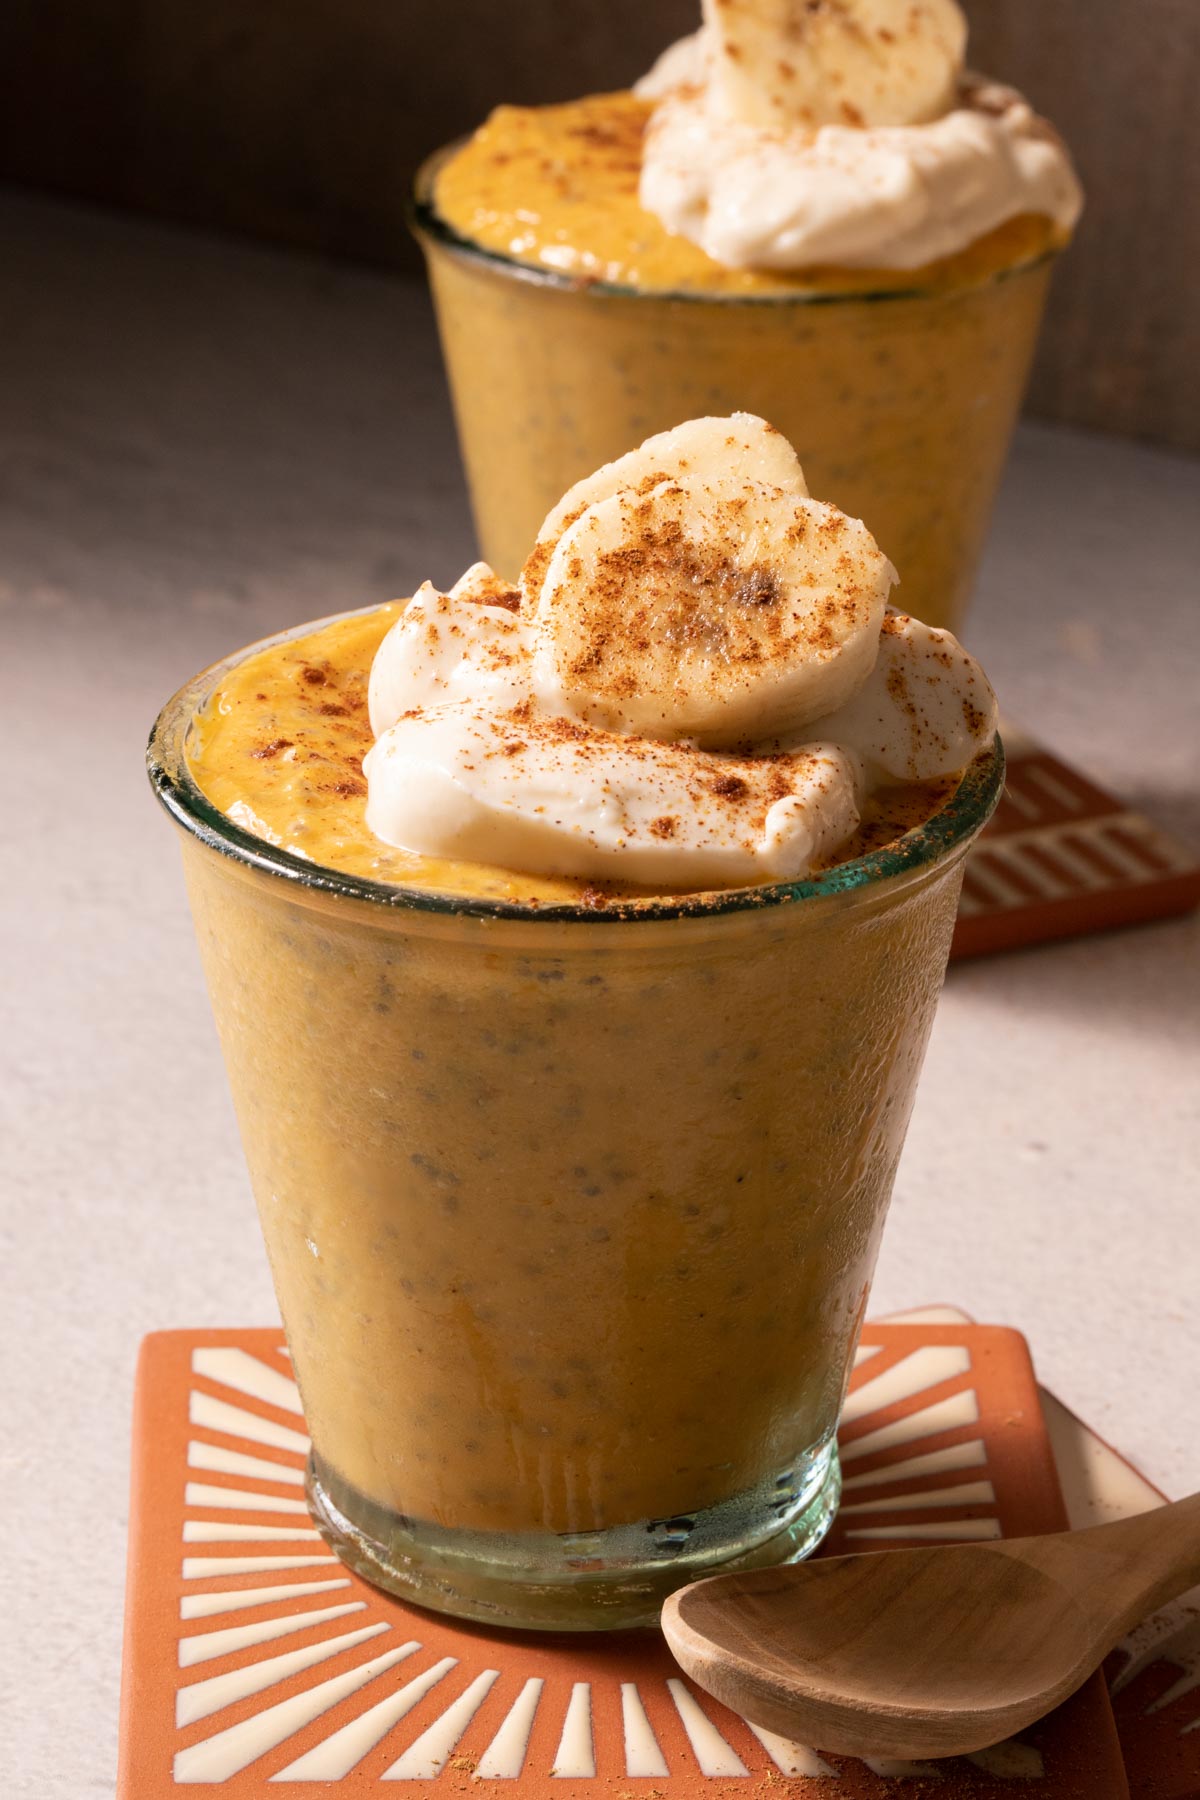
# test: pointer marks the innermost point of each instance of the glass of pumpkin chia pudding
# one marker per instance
(572, 1184)
(861, 254)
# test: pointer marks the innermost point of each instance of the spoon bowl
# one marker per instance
(929, 1652)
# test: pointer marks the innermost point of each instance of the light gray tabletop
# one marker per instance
(201, 443)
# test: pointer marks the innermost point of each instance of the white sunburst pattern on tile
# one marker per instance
(276, 1636)
(1057, 841)
(899, 1476)
(1171, 1636)
(1100, 1485)
(1061, 862)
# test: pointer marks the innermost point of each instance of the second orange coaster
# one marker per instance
(1061, 858)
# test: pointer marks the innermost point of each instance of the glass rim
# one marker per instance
(947, 830)
(424, 220)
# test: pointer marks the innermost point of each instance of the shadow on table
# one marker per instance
(1143, 979)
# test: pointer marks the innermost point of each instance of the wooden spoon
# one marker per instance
(935, 1652)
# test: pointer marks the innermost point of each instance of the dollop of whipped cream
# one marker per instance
(695, 685)
(790, 135)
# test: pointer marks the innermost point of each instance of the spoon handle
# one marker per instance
(1141, 1563)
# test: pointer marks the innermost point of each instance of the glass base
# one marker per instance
(594, 1581)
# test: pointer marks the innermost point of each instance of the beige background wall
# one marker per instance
(301, 120)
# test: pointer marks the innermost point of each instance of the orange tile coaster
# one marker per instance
(256, 1664)
(1154, 1676)
(1062, 858)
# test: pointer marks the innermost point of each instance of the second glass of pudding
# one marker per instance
(572, 1205)
(574, 322)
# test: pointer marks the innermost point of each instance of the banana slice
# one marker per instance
(555, 798)
(713, 608)
(708, 447)
(467, 643)
(925, 710)
(781, 63)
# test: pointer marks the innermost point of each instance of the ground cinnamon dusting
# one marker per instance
(663, 587)
(309, 699)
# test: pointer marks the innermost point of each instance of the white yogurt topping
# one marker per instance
(709, 596)
(891, 159)
(468, 644)
(557, 798)
(923, 711)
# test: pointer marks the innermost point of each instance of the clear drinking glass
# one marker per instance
(572, 1214)
(900, 402)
